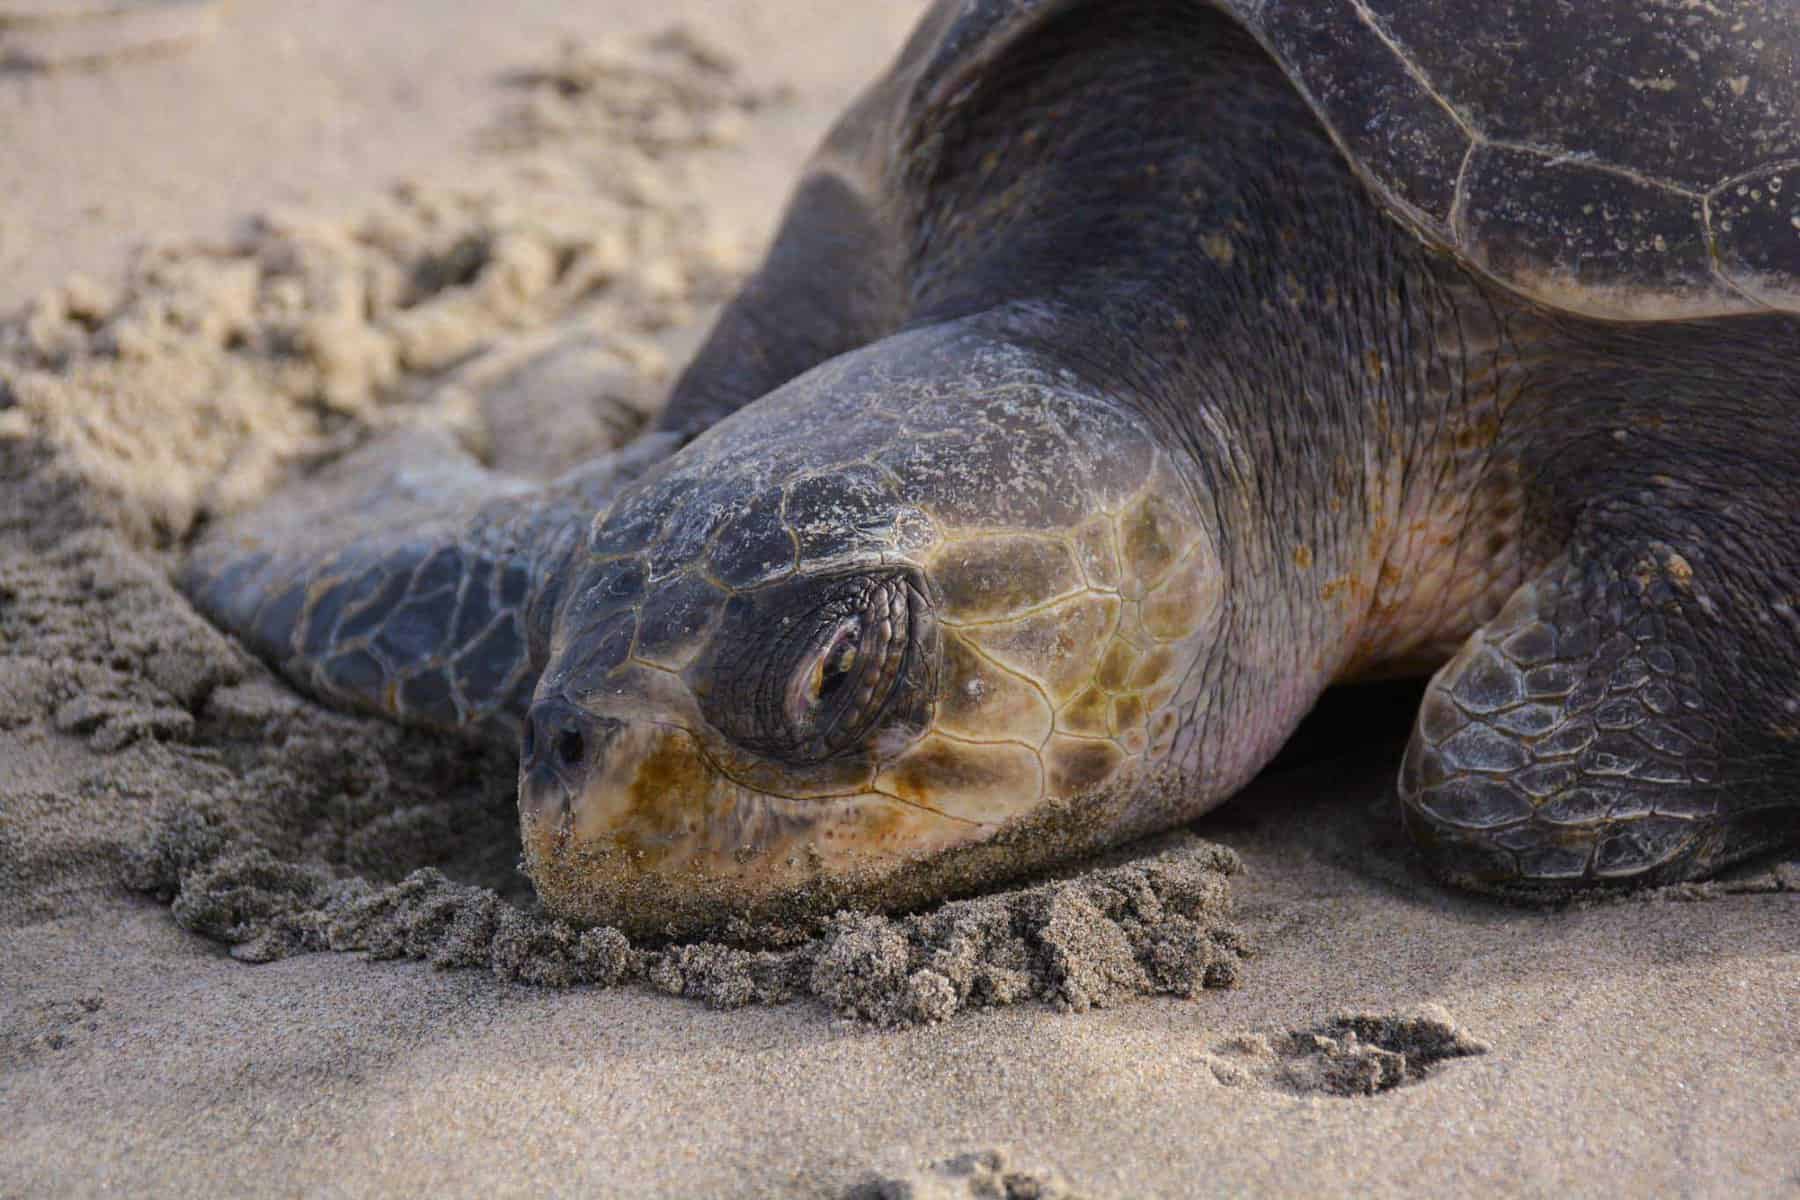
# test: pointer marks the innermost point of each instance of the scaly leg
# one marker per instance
(1632, 715)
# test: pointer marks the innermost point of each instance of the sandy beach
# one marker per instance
(252, 947)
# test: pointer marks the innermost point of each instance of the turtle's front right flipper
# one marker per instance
(404, 580)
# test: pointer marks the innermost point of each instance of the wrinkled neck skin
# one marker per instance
(1196, 250)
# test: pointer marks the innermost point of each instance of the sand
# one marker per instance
(251, 946)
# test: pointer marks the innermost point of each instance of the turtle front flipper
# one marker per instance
(405, 579)
(1631, 716)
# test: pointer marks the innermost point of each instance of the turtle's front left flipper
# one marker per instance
(404, 580)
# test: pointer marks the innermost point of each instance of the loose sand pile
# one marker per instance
(527, 296)
(157, 784)
(128, 415)
(980, 1175)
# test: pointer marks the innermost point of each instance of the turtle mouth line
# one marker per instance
(643, 786)
(554, 817)
(867, 792)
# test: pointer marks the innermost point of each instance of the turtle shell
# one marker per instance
(1633, 160)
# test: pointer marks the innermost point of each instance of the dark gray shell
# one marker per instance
(1635, 160)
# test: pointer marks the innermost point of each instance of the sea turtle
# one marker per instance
(1125, 373)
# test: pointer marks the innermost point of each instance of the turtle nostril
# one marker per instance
(556, 736)
(569, 746)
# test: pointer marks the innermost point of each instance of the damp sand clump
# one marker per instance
(1159, 925)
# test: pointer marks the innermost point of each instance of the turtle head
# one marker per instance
(920, 619)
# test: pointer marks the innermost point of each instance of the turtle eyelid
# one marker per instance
(807, 687)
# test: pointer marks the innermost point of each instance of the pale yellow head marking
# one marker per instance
(986, 577)
(987, 782)
(980, 699)
(1058, 647)
(1187, 601)
(1096, 549)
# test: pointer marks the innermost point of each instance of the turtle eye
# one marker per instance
(823, 674)
(816, 667)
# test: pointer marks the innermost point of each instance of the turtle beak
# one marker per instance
(588, 782)
(641, 831)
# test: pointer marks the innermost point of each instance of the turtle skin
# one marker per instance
(1056, 459)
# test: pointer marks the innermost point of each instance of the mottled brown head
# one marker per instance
(922, 598)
